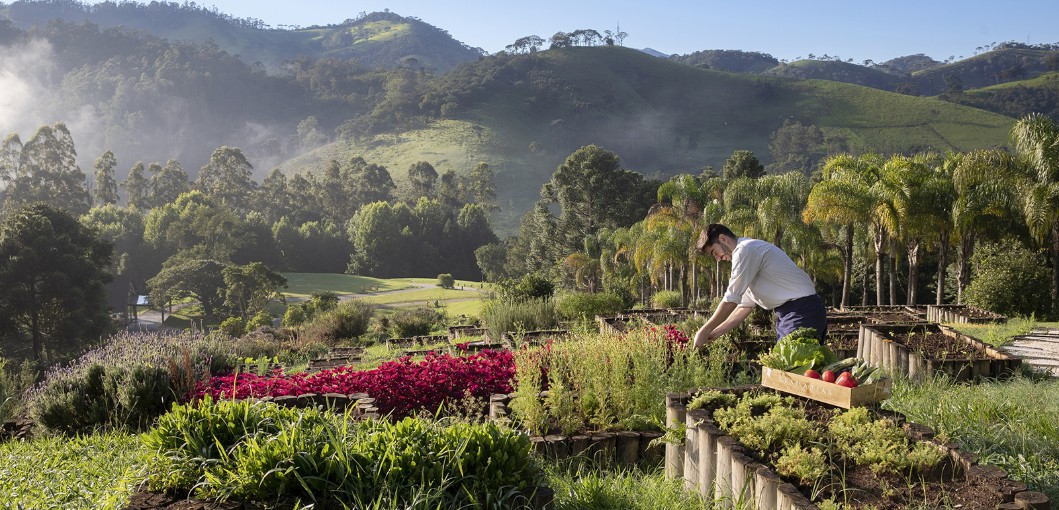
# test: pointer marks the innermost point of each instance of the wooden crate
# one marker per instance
(828, 393)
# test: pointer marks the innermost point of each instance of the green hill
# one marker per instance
(844, 72)
(524, 114)
(378, 40)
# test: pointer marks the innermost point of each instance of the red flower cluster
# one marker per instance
(675, 336)
(401, 387)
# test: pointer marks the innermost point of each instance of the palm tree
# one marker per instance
(1036, 140)
(985, 193)
(947, 192)
(687, 196)
(843, 198)
(918, 200)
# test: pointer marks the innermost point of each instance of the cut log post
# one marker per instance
(627, 449)
(723, 486)
(708, 458)
(691, 449)
(893, 355)
(1009, 489)
(742, 480)
(766, 485)
(558, 447)
(1032, 500)
(913, 366)
(676, 415)
(602, 448)
(651, 455)
(579, 444)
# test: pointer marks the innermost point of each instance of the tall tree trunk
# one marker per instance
(683, 288)
(943, 261)
(38, 340)
(880, 256)
(1055, 271)
(864, 287)
(963, 265)
(718, 292)
(847, 271)
(893, 271)
(913, 272)
(694, 280)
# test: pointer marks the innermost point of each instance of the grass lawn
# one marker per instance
(303, 284)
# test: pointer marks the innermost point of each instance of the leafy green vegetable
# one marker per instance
(798, 352)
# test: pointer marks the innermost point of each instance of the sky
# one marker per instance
(786, 29)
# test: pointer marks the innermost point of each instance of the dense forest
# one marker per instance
(599, 161)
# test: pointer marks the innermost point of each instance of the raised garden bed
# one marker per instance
(725, 470)
(922, 350)
(537, 337)
(962, 314)
(623, 449)
(628, 319)
(456, 332)
(415, 341)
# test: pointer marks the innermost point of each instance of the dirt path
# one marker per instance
(1040, 348)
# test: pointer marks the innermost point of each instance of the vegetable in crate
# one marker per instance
(798, 352)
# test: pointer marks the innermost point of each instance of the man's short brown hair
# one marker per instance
(709, 235)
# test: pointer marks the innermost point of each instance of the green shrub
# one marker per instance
(530, 286)
(264, 452)
(414, 322)
(667, 299)
(348, 320)
(234, 327)
(322, 301)
(586, 305)
(446, 281)
(137, 395)
(104, 396)
(15, 379)
(73, 404)
(501, 316)
(260, 320)
(1010, 280)
(319, 303)
(295, 315)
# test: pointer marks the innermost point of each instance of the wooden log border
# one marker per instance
(715, 465)
(963, 314)
(877, 348)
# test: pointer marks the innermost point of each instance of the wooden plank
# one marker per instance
(826, 392)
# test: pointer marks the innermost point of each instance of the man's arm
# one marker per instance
(737, 316)
(724, 310)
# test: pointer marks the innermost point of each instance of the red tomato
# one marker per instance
(828, 376)
(812, 374)
(847, 380)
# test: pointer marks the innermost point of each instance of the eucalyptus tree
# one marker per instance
(47, 171)
(106, 189)
(137, 186)
(227, 179)
(844, 197)
(168, 183)
(1036, 140)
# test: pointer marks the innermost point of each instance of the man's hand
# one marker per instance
(702, 338)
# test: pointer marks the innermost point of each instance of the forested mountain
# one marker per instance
(377, 40)
(185, 81)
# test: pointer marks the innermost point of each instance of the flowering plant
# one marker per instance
(400, 387)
